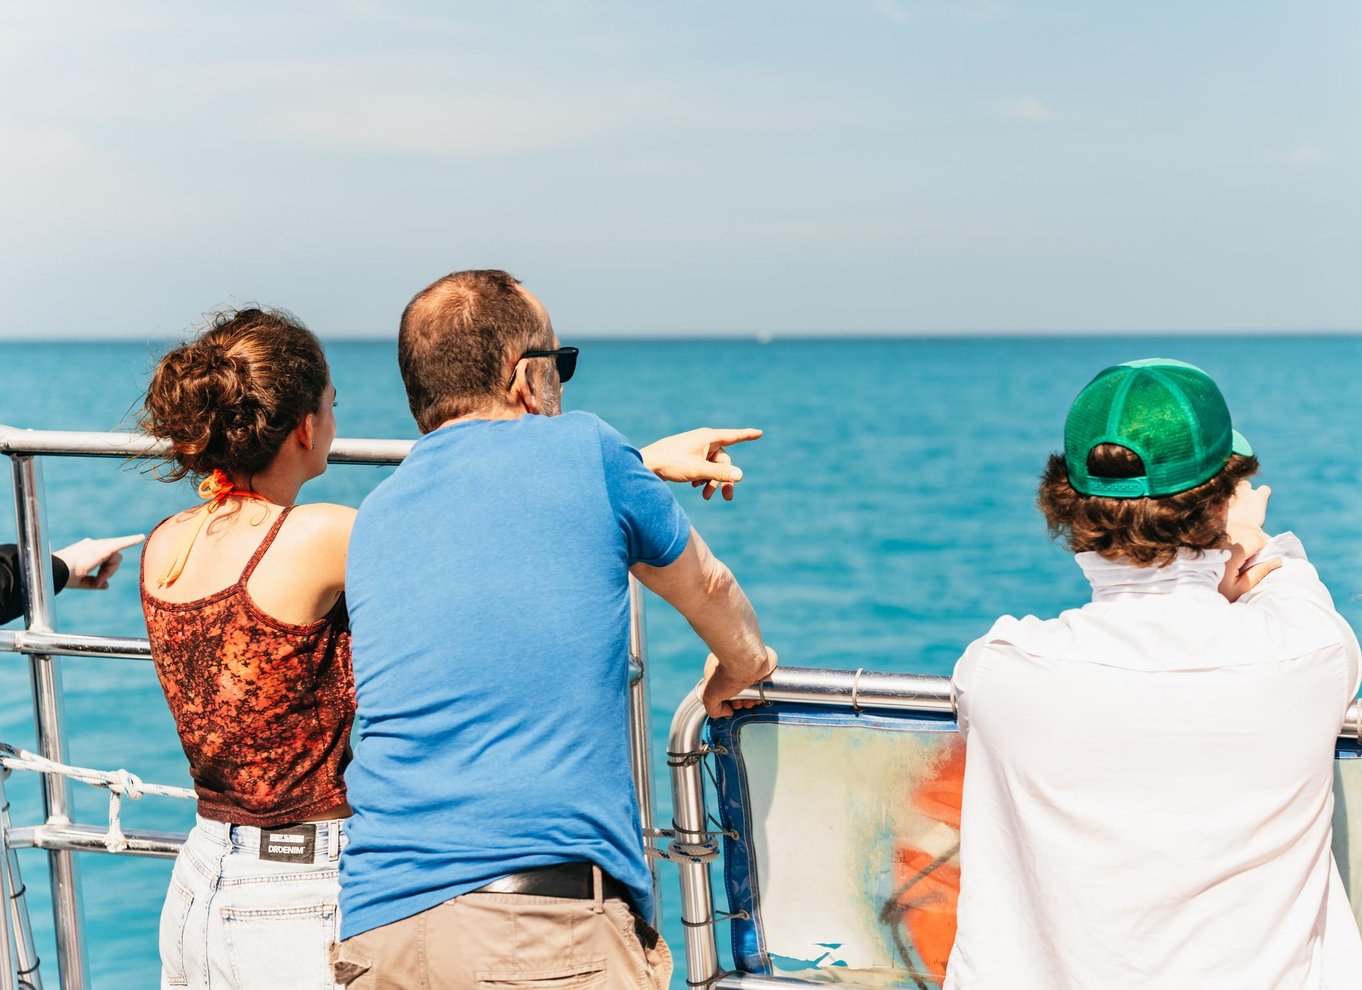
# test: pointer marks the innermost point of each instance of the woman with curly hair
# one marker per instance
(245, 611)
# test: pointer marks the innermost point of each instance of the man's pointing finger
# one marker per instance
(723, 438)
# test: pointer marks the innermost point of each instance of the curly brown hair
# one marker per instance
(1144, 531)
(229, 398)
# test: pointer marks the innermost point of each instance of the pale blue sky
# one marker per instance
(694, 167)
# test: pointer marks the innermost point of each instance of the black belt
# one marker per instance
(569, 880)
(559, 880)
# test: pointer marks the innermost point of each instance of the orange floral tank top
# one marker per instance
(263, 707)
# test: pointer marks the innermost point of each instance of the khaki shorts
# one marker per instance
(507, 942)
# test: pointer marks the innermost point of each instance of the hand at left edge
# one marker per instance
(90, 563)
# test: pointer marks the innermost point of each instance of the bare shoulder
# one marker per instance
(317, 536)
(325, 513)
(321, 522)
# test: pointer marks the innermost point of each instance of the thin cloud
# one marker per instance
(1028, 110)
(1304, 155)
(903, 11)
(37, 149)
(893, 10)
(444, 123)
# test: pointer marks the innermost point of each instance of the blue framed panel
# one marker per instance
(827, 805)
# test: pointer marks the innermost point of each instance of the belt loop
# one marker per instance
(597, 891)
(333, 830)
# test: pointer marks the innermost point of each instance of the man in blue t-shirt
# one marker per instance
(495, 835)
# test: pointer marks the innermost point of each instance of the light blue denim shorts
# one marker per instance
(235, 921)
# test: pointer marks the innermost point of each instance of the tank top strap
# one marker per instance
(142, 557)
(264, 545)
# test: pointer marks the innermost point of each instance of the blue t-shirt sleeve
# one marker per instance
(655, 526)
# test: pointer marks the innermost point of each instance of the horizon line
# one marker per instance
(765, 337)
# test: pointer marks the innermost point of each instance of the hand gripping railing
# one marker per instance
(42, 643)
(913, 694)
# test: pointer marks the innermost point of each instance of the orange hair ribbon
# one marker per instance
(216, 489)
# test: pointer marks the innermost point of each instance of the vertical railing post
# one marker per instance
(640, 732)
(7, 969)
(45, 673)
(14, 919)
(688, 813)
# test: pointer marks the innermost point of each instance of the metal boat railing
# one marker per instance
(43, 644)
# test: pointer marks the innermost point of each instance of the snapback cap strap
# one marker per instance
(1133, 487)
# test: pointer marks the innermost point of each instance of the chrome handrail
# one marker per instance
(69, 443)
(74, 644)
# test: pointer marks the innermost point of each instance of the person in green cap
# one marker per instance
(1148, 777)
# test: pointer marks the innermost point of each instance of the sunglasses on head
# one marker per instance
(564, 357)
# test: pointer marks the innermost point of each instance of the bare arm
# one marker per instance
(701, 588)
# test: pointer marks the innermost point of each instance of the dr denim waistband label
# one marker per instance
(291, 844)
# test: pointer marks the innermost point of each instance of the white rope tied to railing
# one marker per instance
(117, 782)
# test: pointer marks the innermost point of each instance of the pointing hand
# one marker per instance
(700, 458)
(92, 562)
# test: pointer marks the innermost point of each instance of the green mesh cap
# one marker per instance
(1168, 412)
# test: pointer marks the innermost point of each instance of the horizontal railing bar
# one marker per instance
(74, 644)
(857, 689)
(117, 647)
(72, 443)
(924, 693)
(90, 838)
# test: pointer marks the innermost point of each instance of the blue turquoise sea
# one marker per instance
(886, 519)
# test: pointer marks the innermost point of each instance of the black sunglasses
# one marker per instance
(564, 357)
